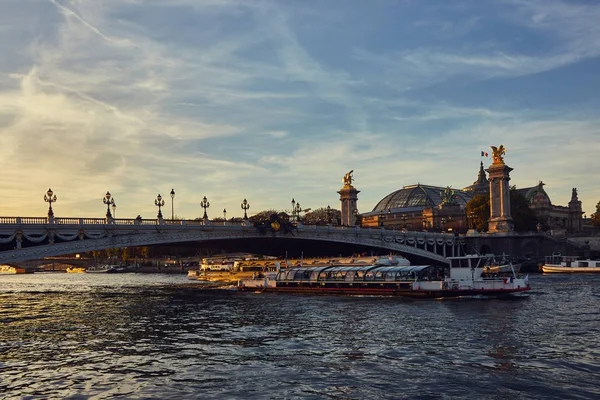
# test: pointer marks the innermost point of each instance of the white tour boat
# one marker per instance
(463, 276)
(557, 263)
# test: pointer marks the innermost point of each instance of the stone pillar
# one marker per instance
(348, 198)
(499, 177)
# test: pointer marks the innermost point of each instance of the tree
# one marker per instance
(595, 217)
(479, 209)
(523, 216)
(321, 216)
(266, 215)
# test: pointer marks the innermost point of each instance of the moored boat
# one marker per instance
(463, 276)
(557, 263)
(104, 269)
(77, 270)
(10, 269)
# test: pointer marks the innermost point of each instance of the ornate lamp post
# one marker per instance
(109, 201)
(443, 224)
(50, 198)
(204, 204)
(424, 223)
(225, 214)
(404, 218)
(293, 209)
(298, 210)
(328, 211)
(159, 202)
(114, 207)
(172, 201)
(245, 206)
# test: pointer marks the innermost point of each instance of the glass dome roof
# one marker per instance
(419, 196)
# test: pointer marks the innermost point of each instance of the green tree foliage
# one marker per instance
(266, 215)
(523, 216)
(595, 217)
(320, 216)
(479, 209)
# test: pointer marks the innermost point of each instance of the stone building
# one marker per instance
(554, 217)
(435, 208)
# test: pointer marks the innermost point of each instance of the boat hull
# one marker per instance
(559, 269)
(384, 290)
(391, 292)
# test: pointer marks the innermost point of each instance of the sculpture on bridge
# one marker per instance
(348, 178)
(498, 153)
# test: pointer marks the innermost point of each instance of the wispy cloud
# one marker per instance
(269, 100)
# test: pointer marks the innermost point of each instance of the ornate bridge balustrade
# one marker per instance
(30, 238)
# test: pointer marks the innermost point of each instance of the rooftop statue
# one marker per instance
(448, 197)
(348, 178)
(498, 152)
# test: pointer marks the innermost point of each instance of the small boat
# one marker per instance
(500, 265)
(193, 274)
(104, 269)
(462, 277)
(77, 270)
(10, 269)
(556, 263)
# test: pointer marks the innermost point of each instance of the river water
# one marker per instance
(153, 336)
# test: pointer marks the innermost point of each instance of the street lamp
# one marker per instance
(50, 198)
(424, 223)
(298, 210)
(225, 214)
(404, 218)
(328, 211)
(245, 206)
(204, 204)
(109, 201)
(159, 202)
(293, 209)
(172, 201)
(114, 207)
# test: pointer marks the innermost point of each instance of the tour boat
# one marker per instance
(557, 263)
(463, 276)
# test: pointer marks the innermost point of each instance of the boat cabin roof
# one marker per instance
(355, 273)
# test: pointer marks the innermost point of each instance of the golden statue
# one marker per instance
(348, 178)
(498, 152)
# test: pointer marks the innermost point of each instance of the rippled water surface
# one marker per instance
(161, 336)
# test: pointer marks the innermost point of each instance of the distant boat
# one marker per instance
(9, 270)
(76, 270)
(104, 269)
(557, 263)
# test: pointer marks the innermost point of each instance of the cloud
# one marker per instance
(268, 100)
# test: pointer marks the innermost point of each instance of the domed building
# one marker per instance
(435, 208)
(418, 207)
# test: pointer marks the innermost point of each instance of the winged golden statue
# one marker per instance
(348, 178)
(498, 152)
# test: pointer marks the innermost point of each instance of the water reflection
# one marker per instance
(145, 336)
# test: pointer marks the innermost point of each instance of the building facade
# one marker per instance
(443, 209)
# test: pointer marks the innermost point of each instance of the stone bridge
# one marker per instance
(29, 238)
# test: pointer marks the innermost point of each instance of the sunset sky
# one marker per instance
(274, 100)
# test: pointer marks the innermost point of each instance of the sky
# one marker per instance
(271, 100)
